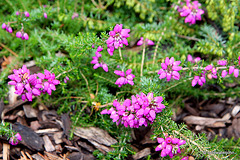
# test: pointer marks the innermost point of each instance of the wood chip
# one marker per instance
(29, 137)
(12, 96)
(48, 144)
(101, 147)
(86, 146)
(49, 130)
(6, 151)
(35, 125)
(209, 122)
(37, 157)
(95, 134)
(29, 111)
(58, 137)
(143, 153)
(235, 110)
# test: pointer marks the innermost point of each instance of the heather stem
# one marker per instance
(143, 55)
(120, 53)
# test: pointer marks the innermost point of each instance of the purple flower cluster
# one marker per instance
(191, 11)
(195, 60)
(117, 38)
(75, 15)
(15, 139)
(7, 27)
(170, 69)
(138, 111)
(22, 35)
(26, 13)
(169, 146)
(30, 85)
(124, 79)
(147, 41)
(200, 80)
(97, 60)
(211, 72)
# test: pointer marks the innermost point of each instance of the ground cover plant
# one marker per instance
(125, 67)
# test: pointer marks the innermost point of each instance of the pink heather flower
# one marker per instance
(97, 60)
(147, 41)
(9, 29)
(17, 13)
(19, 34)
(170, 69)
(124, 79)
(234, 70)
(211, 71)
(66, 79)
(25, 36)
(138, 111)
(45, 15)
(4, 26)
(28, 85)
(195, 60)
(224, 73)
(15, 139)
(117, 38)
(75, 15)
(200, 80)
(231, 69)
(22, 35)
(222, 62)
(185, 158)
(191, 11)
(169, 146)
(49, 82)
(26, 13)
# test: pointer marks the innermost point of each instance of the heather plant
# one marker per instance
(86, 58)
(12, 136)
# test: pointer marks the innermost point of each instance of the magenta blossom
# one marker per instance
(29, 85)
(234, 70)
(138, 111)
(75, 15)
(222, 62)
(97, 60)
(26, 14)
(15, 139)
(169, 146)
(147, 41)
(170, 69)
(191, 11)
(124, 79)
(66, 79)
(200, 80)
(45, 15)
(195, 60)
(211, 71)
(117, 38)
(22, 35)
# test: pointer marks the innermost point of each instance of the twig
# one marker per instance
(6, 148)
(64, 73)
(176, 84)
(155, 52)
(188, 38)
(86, 82)
(8, 49)
(143, 56)
(120, 53)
